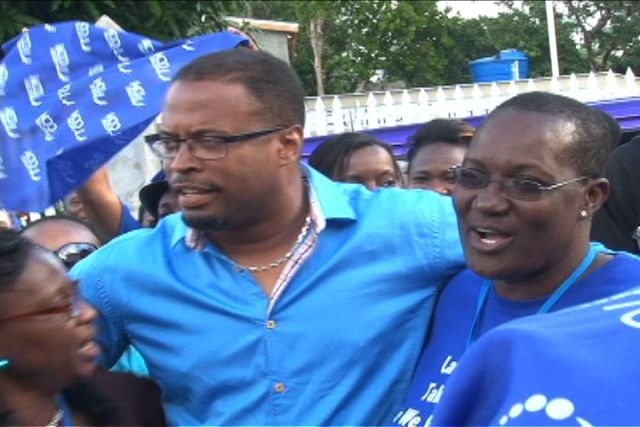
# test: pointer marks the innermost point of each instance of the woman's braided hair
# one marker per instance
(14, 252)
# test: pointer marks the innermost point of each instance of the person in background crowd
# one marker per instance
(436, 147)
(145, 218)
(48, 352)
(70, 238)
(158, 199)
(574, 367)
(273, 296)
(525, 195)
(107, 212)
(359, 158)
(617, 223)
(73, 206)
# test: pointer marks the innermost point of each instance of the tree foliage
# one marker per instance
(163, 20)
(345, 43)
(608, 31)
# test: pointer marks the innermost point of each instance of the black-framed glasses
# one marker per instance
(203, 145)
(517, 188)
(73, 252)
(72, 308)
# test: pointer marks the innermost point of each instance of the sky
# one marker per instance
(472, 9)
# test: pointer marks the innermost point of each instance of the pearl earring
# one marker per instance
(583, 213)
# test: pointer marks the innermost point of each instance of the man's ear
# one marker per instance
(595, 194)
(291, 141)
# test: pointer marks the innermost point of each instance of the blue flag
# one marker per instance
(72, 95)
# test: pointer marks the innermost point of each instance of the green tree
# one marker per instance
(608, 32)
(164, 20)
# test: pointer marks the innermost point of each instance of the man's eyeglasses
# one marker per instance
(71, 253)
(72, 308)
(204, 145)
(516, 188)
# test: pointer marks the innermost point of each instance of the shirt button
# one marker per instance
(271, 324)
(279, 388)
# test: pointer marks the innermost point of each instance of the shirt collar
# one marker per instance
(332, 201)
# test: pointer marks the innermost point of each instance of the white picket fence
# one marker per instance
(358, 111)
(354, 112)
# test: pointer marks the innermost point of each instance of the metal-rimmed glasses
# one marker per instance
(72, 307)
(517, 188)
(203, 145)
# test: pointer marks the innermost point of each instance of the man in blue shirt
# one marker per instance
(277, 297)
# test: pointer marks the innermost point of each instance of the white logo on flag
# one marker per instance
(34, 89)
(146, 46)
(122, 67)
(161, 65)
(99, 91)
(136, 93)
(9, 120)
(61, 61)
(30, 161)
(113, 40)
(82, 30)
(76, 124)
(4, 76)
(48, 126)
(24, 48)
(96, 69)
(64, 93)
(111, 124)
(188, 45)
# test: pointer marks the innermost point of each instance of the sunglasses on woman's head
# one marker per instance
(71, 253)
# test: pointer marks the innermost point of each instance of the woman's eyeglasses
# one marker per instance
(72, 308)
(517, 188)
(71, 253)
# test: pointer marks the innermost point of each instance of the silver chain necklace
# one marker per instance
(286, 257)
(57, 417)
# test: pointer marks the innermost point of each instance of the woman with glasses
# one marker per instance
(525, 196)
(72, 240)
(46, 340)
(137, 400)
(357, 157)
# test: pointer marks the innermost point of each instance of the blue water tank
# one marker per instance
(510, 64)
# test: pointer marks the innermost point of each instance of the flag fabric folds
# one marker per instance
(72, 95)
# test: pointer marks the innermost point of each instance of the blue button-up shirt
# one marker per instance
(336, 347)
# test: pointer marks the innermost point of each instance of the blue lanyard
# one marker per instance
(67, 420)
(548, 304)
